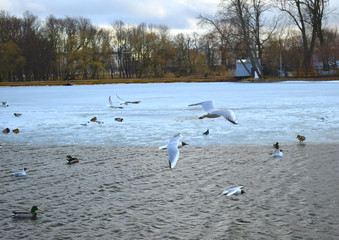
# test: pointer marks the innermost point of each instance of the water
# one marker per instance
(267, 112)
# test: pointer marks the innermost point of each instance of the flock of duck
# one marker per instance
(172, 147)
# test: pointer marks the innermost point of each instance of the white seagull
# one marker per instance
(111, 104)
(236, 190)
(19, 174)
(122, 102)
(173, 149)
(212, 112)
(4, 104)
(280, 154)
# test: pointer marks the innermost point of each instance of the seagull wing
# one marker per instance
(173, 151)
(227, 114)
(121, 101)
(110, 101)
(207, 106)
(173, 154)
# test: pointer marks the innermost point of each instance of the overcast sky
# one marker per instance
(178, 15)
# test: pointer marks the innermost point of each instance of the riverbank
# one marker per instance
(160, 80)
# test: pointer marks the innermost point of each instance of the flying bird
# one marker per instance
(111, 104)
(26, 214)
(19, 174)
(212, 112)
(301, 138)
(122, 102)
(173, 149)
(236, 191)
(4, 104)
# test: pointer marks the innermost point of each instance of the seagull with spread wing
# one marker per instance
(111, 104)
(173, 149)
(212, 112)
(122, 102)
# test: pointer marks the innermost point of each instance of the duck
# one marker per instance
(301, 138)
(16, 131)
(6, 130)
(19, 174)
(119, 119)
(279, 154)
(26, 214)
(17, 114)
(94, 119)
(276, 145)
(235, 190)
(71, 159)
(207, 132)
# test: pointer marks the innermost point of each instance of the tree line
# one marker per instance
(73, 48)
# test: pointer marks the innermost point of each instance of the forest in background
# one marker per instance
(72, 48)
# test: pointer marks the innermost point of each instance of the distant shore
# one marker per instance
(160, 80)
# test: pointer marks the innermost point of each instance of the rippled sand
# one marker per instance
(130, 193)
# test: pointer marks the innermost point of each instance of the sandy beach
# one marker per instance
(130, 193)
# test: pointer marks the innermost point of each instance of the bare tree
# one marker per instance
(241, 25)
(308, 16)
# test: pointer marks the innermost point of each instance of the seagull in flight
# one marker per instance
(122, 102)
(111, 104)
(4, 104)
(173, 149)
(236, 190)
(212, 112)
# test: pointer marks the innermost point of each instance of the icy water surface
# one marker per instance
(266, 111)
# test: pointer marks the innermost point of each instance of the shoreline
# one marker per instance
(160, 80)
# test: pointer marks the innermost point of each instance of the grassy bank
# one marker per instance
(159, 80)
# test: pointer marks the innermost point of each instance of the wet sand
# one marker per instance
(130, 193)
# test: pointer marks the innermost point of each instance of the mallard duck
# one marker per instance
(94, 119)
(19, 174)
(26, 214)
(236, 190)
(17, 114)
(119, 119)
(16, 131)
(301, 138)
(71, 159)
(6, 130)
(276, 145)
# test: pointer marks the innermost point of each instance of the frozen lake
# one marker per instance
(267, 112)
